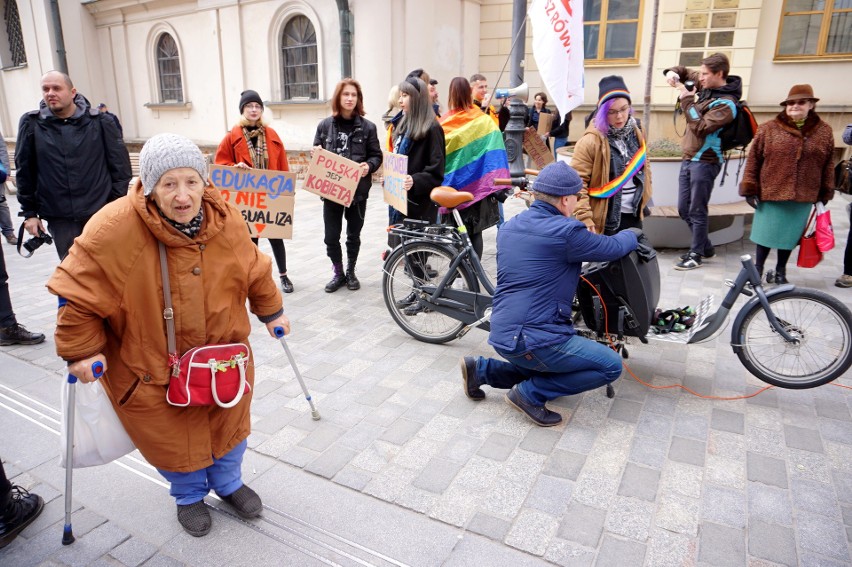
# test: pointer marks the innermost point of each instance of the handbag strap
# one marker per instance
(811, 219)
(168, 312)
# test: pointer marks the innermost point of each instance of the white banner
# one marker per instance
(558, 49)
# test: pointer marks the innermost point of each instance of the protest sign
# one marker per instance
(266, 198)
(395, 168)
(333, 177)
(545, 123)
(535, 148)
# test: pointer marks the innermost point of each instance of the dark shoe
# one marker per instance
(337, 282)
(843, 281)
(471, 383)
(286, 284)
(245, 502)
(692, 261)
(709, 252)
(18, 335)
(780, 277)
(23, 508)
(414, 309)
(407, 300)
(11, 239)
(770, 276)
(432, 274)
(539, 414)
(195, 518)
(351, 279)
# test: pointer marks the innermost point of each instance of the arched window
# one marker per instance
(168, 69)
(299, 60)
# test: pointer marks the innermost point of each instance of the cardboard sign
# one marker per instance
(395, 168)
(535, 148)
(333, 177)
(266, 198)
(545, 122)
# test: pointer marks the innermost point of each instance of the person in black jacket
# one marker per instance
(70, 162)
(348, 134)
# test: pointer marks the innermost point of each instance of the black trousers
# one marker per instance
(64, 231)
(5, 489)
(627, 221)
(278, 251)
(7, 316)
(332, 216)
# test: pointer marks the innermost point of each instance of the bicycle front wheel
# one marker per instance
(427, 264)
(821, 323)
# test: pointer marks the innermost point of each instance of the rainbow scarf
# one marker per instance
(476, 154)
(615, 185)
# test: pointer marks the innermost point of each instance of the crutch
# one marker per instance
(279, 332)
(97, 371)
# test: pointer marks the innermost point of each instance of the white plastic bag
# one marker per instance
(99, 437)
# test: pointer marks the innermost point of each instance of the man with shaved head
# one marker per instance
(70, 162)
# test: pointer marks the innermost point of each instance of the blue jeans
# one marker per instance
(694, 188)
(547, 373)
(224, 476)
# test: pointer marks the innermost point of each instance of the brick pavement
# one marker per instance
(653, 477)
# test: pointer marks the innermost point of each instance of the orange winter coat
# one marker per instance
(233, 149)
(113, 287)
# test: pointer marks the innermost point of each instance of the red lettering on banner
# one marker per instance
(259, 228)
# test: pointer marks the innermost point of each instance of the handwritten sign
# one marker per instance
(535, 148)
(395, 169)
(333, 177)
(545, 122)
(264, 197)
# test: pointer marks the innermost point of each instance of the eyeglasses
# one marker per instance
(613, 112)
(800, 102)
(253, 106)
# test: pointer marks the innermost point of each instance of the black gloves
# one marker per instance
(752, 200)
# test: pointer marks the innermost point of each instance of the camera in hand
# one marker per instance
(35, 242)
(689, 85)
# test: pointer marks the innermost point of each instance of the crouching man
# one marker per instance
(539, 255)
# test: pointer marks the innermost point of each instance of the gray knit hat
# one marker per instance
(168, 151)
(558, 179)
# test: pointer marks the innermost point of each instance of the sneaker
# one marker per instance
(337, 282)
(539, 414)
(708, 253)
(18, 335)
(11, 239)
(692, 261)
(843, 281)
(195, 518)
(245, 502)
(414, 309)
(407, 300)
(351, 279)
(471, 383)
(22, 509)
(286, 284)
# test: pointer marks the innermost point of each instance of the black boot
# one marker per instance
(286, 284)
(21, 510)
(351, 279)
(338, 280)
(781, 276)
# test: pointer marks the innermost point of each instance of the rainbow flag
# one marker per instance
(614, 186)
(476, 154)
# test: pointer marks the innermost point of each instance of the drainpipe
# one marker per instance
(57, 36)
(345, 38)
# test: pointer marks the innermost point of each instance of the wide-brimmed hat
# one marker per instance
(800, 92)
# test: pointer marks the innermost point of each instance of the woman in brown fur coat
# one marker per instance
(789, 168)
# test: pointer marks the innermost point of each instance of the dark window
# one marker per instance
(815, 28)
(611, 30)
(168, 68)
(17, 53)
(299, 60)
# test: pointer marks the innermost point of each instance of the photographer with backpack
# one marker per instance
(789, 169)
(714, 108)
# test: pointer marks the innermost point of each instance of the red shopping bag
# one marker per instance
(824, 230)
(809, 253)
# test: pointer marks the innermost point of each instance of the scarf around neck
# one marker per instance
(256, 141)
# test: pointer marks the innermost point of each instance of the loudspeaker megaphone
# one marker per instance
(521, 92)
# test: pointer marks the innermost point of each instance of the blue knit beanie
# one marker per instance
(558, 179)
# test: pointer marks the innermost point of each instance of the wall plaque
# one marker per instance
(691, 59)
(694, 21)
(726, 4)
(724, 20)
(694, 39)
(721, 39)
(697, 5)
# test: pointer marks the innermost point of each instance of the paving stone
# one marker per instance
(569, 554)
(809, 465)
(616, 552)
(834, 430)
(801, 438)
(582, 524)
(690, 426)
(772, 542)
(299, 456)
(654, 425)
(649, 451)
(630, 517)
(532, 531)
(811, 560)
(678, 514)
(721, 545)
(489, 526)
(353, 477)
(822, 535)
(329, 463)
(578, 439)
(361, 436)
(625, 410)
(667, 549)
(767, 470)
(730, 421)
(498, 447)
(639, 482)
(724, 444)
(680, 478)
(505, 498)
(687, 451)
(725, 472)
(437, 475)
(769, 399)
(833, 409)
(460, 448)
(724, 506)
(92, 545)
(401, 431)
(540, 440)
(161, 560)
(814, 497)
(661, 403)
(322, 437)
(134, 552)
(424, 410)
(550, 494)
(564, 464)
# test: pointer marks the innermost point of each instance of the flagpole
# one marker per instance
(514, 132)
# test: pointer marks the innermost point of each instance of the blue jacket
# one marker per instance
(539, 255)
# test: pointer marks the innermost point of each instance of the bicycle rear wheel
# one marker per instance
(821, 323)
(430, 262)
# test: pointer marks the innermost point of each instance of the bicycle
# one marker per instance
(436, 290)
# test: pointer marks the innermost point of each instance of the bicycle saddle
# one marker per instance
(449, 198)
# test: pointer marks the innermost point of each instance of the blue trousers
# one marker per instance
(224, 476)
(547, 373)
(695, 185)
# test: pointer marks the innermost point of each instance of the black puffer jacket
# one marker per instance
(363, 148)
(68, 168)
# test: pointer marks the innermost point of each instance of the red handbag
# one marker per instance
(206, 375)
(824, 230)
(809, 252)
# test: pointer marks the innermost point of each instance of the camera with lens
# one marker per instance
(35, 242)
(689, 85)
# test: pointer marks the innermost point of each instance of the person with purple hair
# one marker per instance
(610, 158)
